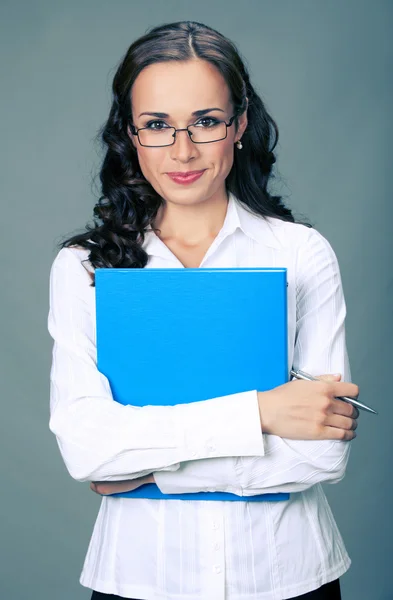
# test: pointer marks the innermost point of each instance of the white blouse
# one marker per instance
(205, 550)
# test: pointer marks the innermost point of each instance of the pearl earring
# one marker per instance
(239, 145)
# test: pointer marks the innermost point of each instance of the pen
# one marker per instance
(306, 376)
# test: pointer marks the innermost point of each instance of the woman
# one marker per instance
(189, 154)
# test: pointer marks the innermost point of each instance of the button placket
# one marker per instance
(217, 551)
(212, 550)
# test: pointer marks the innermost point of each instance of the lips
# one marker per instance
(185, 176)
(185, 173)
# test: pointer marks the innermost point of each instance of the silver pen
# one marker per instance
(306, 376)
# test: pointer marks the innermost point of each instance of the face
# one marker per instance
(178, 89)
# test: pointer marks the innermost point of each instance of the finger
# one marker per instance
(330, 377)
(334, 433)
(339, 407)
(340, 422)
(115, 487)
(101, 488)
(345, 388)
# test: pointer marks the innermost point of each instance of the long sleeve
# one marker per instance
(102, 440)
(320, 347)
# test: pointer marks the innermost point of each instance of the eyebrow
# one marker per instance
(196, 113)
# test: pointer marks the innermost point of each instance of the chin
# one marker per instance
(186, 199)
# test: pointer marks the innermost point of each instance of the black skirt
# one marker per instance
(329, 591)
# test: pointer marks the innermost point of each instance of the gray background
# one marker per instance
(324, 70)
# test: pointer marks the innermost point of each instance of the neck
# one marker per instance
(192, 224)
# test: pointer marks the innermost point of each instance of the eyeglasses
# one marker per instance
(199, 132)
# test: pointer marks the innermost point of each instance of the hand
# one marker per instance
(308, 410)
(104, 488)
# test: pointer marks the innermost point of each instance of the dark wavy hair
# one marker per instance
(129, 204)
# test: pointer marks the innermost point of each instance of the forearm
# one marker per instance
(102, 440)
(287, 466)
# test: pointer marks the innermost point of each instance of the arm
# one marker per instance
(289, 465)
(102, 440)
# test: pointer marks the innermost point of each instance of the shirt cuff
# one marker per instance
(223, 426)
(206, 475)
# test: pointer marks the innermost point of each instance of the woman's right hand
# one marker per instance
(308, 410)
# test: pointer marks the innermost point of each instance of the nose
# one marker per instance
(183, 149)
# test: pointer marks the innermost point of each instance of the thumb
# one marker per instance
(330, 377)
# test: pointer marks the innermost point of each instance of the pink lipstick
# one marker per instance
(184, 177)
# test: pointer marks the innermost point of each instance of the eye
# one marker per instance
(156, 125)
(206, 122)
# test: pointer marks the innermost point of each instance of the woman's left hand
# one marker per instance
(104, 488)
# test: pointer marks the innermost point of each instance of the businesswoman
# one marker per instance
(189, 154)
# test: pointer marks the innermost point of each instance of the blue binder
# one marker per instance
(171, 336)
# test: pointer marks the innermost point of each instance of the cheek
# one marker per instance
(222, 155)
(150, 160)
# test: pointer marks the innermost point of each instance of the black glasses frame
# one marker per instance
(136, 131)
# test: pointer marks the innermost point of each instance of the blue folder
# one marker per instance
(173, 336)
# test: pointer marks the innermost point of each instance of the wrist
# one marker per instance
(263, 404)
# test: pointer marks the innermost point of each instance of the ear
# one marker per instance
(242, 123)
(131, 136)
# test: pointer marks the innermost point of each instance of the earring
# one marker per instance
(239, 145)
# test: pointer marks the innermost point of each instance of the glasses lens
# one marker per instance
(156, 137)
(210, 133)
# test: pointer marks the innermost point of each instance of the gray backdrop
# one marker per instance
(324, 70)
